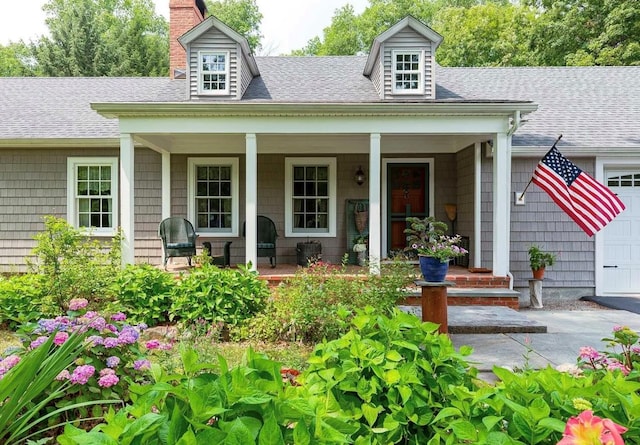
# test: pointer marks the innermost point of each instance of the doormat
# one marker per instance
(631, 304)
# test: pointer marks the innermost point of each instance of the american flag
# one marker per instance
(590, 204)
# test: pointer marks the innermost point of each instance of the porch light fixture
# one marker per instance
(359, 176)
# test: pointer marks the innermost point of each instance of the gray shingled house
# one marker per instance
(229, 136)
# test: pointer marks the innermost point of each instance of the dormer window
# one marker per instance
(408, 69)
(214, 72)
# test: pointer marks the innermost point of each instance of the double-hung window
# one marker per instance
(214, 72)
(408, 69)
(213, 195)
(310, 189)
(92, 191)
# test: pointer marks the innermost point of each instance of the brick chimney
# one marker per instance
(183, 15)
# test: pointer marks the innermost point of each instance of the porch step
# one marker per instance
(473, 296)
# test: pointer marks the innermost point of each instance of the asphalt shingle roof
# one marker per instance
(591, 106)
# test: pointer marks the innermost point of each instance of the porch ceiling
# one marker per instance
(202, 143)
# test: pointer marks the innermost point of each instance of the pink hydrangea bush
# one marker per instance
(622, 353)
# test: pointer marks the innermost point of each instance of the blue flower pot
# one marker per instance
(432, 269)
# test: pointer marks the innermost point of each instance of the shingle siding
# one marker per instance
(214, 40)
(465, 186)
(409, 40)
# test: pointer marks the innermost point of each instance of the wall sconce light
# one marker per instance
(360, 176)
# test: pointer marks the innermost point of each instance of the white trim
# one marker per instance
(385, 163)
(290, 162)
(420, 71)
(602, 165)
(251, 200)
(72, 210)
(375, 253)
(227, 73)
(501, 204)
(477, 205)
(192, 163)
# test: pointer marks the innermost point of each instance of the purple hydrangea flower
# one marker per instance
(128, 336)
(63, 375)
(38, 341)
(152, 344)
(119, 317)
(98, 323)
(8, 363)
(110, 342)
(77, 304)
(113, 361)
(95, 340)
(82, 374)
(141, 365)
(108, 380)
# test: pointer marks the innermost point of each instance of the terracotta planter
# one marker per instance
(538, 274)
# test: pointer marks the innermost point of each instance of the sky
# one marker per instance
(286, 24)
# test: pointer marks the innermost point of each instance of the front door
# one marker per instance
(407, 195)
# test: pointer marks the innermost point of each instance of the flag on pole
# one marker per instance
(590, 204)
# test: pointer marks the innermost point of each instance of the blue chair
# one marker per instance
(178, 239)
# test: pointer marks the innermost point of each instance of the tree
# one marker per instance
(16, 60)
(243, 16)
(103, 38)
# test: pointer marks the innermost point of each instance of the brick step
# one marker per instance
(468, 296)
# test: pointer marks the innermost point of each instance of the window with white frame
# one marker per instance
(92, 190)
(408, 69)
(213, 195)
(310, 190)
(214, 72)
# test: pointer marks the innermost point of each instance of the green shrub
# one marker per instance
(144, 293)
(318, 301)
(393, 375)
(21, 299)
(212, 295)
(246, 405)
(73, 264)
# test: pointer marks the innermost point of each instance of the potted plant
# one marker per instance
(539, 260)
(427, 237)
(360, 248)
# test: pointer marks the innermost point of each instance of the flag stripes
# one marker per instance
(590, 204)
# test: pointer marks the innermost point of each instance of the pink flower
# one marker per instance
(37, 342)
(77, 304)
(63, 375)
(113, 361)
(8, 363)
(589, 353)
(82, 374)
(141, 365)
(60, 338)
(587, 429)
(108, 380)
(616, 365)
(152, 344)
(111, 342)
(119, 317)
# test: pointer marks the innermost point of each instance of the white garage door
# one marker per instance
(621, 256)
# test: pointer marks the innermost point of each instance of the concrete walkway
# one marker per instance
(566, 332)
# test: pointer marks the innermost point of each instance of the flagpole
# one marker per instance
(531, 180)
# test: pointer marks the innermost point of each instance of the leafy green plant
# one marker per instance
(20, 299)
(427, 237)
(539, 259)
(393, 375)
(318, 302)
(255, 403)
(73, 264)
(143, 292)
(30, 387)
(214, 295)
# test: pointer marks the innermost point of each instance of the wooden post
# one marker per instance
(434, 303)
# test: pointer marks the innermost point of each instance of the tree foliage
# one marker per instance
(499, 32)
(243, 16)
(16, 60)
(103, 38)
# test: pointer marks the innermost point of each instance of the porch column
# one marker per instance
(477, 207)
(501, 203)
(127, 155)
(166, 184)
(251, 204)
(375, 226)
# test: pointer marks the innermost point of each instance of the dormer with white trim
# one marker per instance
(220, 64)
(401, 63)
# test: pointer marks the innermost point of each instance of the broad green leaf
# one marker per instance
(520, 423)
(539, 409)
(491, 421)
(188, 438)
(143, 425)
(464, 430)
(406, 345)
(370, 413)
(553, 424)
(394, 356)
(301, 434)
(392, 376)
(448, 412)
(270, 433)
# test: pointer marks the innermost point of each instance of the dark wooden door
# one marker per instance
(407, 195)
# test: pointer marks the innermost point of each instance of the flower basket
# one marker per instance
(361, 215)
(433, 269)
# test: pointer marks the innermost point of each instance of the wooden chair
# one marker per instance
(178, 239)
(266, 241)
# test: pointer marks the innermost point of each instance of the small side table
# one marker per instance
(535, 293)
(434, 303)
